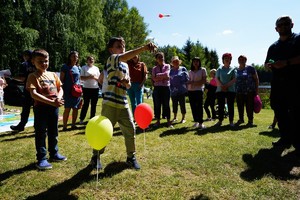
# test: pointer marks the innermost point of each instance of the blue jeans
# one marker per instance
(45, 124)
(135, 94)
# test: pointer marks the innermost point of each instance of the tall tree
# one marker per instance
(187, 49)
(14, 36)
(90, 27)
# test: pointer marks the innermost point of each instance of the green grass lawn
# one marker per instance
(179, 163)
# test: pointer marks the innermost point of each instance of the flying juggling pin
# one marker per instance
(161, 15)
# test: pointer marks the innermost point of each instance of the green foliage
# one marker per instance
(84, 26)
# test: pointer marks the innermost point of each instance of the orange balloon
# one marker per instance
(143, 115)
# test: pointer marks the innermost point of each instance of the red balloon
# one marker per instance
(143, 115)
(160, 15)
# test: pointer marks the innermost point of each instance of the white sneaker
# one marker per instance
(196, 124)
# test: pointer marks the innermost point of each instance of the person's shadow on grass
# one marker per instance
(63, 190)
(15, 172)
(270, 162)
(174, 131)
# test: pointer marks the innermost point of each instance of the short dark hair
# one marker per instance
(40, 52)
(284, 18)
(113, 40)
(242, 56)
(27, 52)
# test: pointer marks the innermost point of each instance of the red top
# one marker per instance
(137, 72)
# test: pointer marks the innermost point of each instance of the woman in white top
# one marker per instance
(89, 76)
(196, 84)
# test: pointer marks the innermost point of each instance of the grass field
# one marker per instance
(179, 163)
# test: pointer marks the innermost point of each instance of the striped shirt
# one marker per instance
(115, 94)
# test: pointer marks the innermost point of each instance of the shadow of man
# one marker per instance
(270, 162)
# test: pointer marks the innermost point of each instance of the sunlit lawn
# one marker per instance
(179, 163)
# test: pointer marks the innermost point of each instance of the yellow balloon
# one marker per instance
(98, 131)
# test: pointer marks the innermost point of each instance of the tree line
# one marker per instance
(60, 26)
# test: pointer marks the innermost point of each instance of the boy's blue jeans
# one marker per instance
(45, 124)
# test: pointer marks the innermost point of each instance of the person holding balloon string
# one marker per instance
(115, 105)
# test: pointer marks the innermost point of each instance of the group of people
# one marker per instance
(124, 73)
(70, 73)
(46, 92)
(227, 84)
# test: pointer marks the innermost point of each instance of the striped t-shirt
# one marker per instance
(115, 94)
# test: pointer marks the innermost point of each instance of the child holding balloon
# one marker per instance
(115, 104)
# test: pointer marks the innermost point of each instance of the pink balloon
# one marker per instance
(143, 115)
(257, 104)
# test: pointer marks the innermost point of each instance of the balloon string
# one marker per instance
(144, 140)
(98, 160)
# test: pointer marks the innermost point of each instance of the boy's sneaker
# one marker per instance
(133, 163)
(57, 158)
(81, 122)
(95, 162)
(43, 164)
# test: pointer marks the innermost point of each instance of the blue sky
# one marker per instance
(237, 26)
